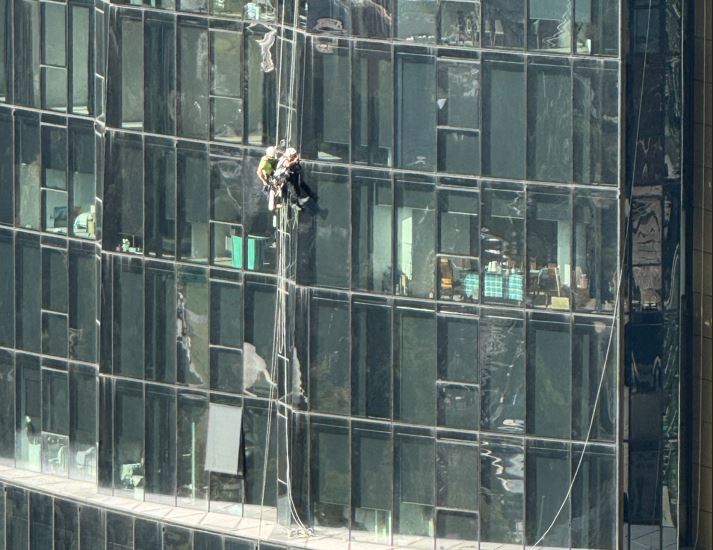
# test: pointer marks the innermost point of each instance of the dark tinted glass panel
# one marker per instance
(40, 521)
(7, 289)
(27, 59)
(193, 78)
(6, 163)
(371, 360)
(549, 122)
(594, 354)
(175, 538)
(81, 49)
(226, 309)
(594, 498)
(91, 529)
(504, 23)
(66, 525)
(372, 19)
(549, 377)
(259, 330)
(128, 440)
(191, 476)
(7, 406)
(28, 412)
(461, 526)
(128, 317)
(126, 71)
(159, 53)
(226, 178)
(415, 367)
(28, 302)
(83, 307)
(160, 358)
(330, 476)
(261, 88)
(372, 106)
(504, 120)
(206, 541)
(502, 464)
(123, 195)
(119, 532)
(459, 24)
(458, 406)
(258, 451)
(227, 85)
(55, 403)
(458, 349)
(546, 489)
(192, 239)
(27, 171)
(372, 456)
(414, 486)
(596, 122)
(54, 280)
(457, 475)
(416, 21)
(82, 182)
(16, 519)
(549, 249)
(6, 53)
(323, 248)
(329, 357)
(191, 334)
(503, 244)
(415, 240)
(502, 374)
(160, 198)
(147, 535)
(160, 444)
(415, 115)
(226, 370)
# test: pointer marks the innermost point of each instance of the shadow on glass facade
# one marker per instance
(456, 336)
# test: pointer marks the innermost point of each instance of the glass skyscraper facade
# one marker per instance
(486, 308)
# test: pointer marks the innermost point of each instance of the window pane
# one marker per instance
(83, 306)
(27, 36)
(123, 195)
(323, 248)
(226, 178)
(119, 531)
(549, 249)
(28, 412)
(261, 88)
(594, 498)
(457, 475)
(257, 453)
(549, 377)
(372, 106)
(146, 535)
(7, 290)
(82, 180)
(330, 476)
(416, 20)
(129, 438)
(55, 405)
(160, 444)
(83, 423)
(193, 230)
(91, 529)
(40, 521)
(549, 27)
(546, 489)
(193, 79)
(459, 24)
(7, 407)
(54, 279)
(55, 30)
(5, 52)
(6, 164)
(126, 72)
(371, 360)
(372, 239)
(160, 360)
(81, 56)
(596, 123)
(160, 189)
(458, 223)
(16, 518)
(371, 492)
(595, 251)
(503, 24)
(160, 54)
(502, 374)
(458, 406)
(191, 326)
(504, 119)
(259, 330)
(458, 349)
(414, 487)
(502, 464)
(415, 363)
(549, 122)
(28, 300)
(503, 244)
(226, 314)
(329, 356)
(372, 19)
(66, 525)
(416, 102)
(597, 24)
(128, 317)
(27, 171)
(226, 370)
(415, 245)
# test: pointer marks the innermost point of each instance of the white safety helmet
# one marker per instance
(290, 152)
(271, 151)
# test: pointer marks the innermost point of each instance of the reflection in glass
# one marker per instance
(81, 48)
(27, 171)
(55, 422)
(226, 180)
(160, 198)
(82, 186)
(416, 21)
(261, 89)
(7, 290)
(192, 478)
(503, 23)
(259, 328)
(83, 304)
(372, 19)
(26, 42)
(193, 77)
(66, 525)
(128, 317)
(160, 359)
(82, 423)
(28, 301)
(415, 240)
(160, 444)
(126, 71)
(459, 23)
(594, 498)
(416, 104)
(330, 475)
(192, 337)
(457, 475)
(160, 54)
(549, 26)
(192, 239)
(597, 23)
(414, 485)
(28, 413)
(502, 374)
(7, 182)
(502, 463)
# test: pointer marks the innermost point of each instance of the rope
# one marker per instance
(605, 367)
